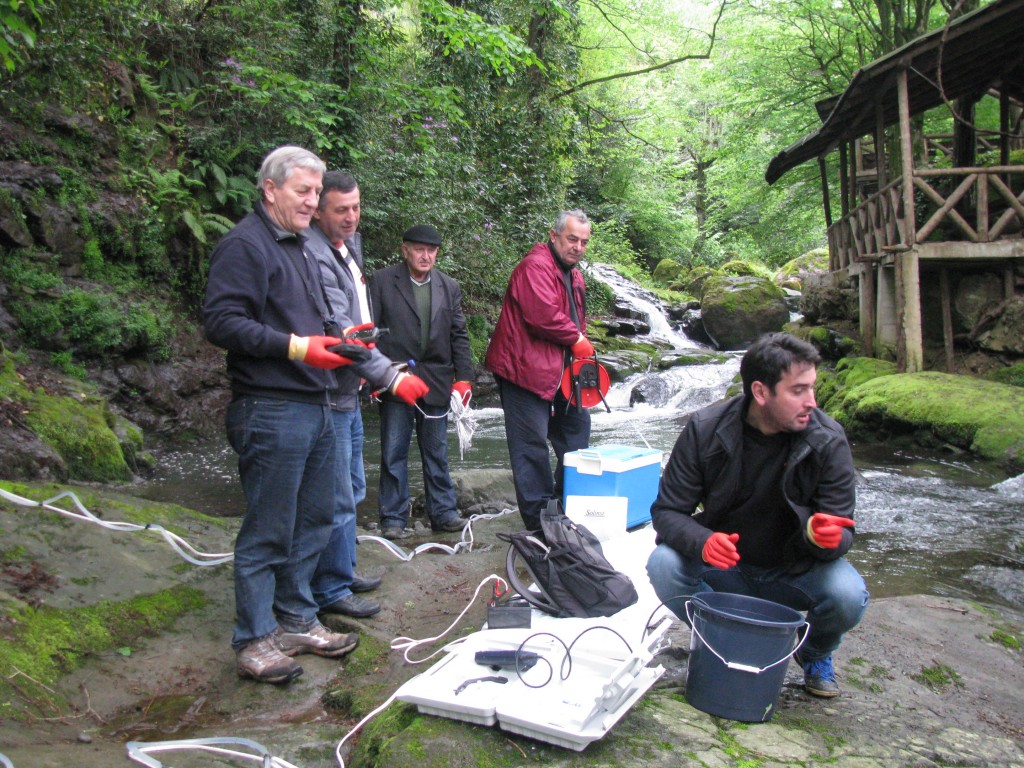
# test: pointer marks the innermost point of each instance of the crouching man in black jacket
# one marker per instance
(757, 499)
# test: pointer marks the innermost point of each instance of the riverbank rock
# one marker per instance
(961, 413)
(737, 310)
(926, 681)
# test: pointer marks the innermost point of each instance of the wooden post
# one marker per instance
(853, 174)
(881, 159)
(868, 297)
(844, 181)
(947, 318)
(910, 345)
(825, 201)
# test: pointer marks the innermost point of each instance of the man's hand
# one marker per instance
(582, 348)
(313, 350)
(720, 550)
(465, 389)
(826, 531)
(409, 388)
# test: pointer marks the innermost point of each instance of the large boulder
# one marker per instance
(974, 295)
(791, 274)
(1002, 330)
(669, 271)
(939, 410)
(737, 310)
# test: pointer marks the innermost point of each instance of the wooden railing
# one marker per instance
(878, 225)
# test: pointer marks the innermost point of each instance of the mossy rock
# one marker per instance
(833, 385)
(669, 271)
(1012, 375)
(830, 343)
(739, 268)
(812, 261)
(737, 310)
(696, 279)
(80, 429)
(984, 417)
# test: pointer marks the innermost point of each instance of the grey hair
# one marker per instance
(564, 216)
(279, 164)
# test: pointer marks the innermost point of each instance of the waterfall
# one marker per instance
(668, 396)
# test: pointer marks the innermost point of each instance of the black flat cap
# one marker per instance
(422, 233)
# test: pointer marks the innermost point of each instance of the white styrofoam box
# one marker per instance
(606, 679)
(615, 470)
(603, 516)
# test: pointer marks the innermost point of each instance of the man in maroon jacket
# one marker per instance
(542, 325)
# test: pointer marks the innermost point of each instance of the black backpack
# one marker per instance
(566, 562)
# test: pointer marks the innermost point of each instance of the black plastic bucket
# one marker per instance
(738, 654)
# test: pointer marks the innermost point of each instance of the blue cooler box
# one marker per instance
(616, 470)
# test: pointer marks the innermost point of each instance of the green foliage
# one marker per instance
(92, 323)
(16, 33)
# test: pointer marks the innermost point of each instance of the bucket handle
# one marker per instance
(735, 664)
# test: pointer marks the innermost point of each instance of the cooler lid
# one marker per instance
(611, 458)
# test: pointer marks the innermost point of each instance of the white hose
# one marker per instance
(182, 547)
(138, 751)
(465, 543)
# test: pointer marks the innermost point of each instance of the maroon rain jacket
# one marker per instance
(535, 327)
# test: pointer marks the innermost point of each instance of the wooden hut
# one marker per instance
(918, 212)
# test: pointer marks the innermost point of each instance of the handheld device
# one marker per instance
(519, 660)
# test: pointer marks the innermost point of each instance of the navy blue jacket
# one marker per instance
(256, 297)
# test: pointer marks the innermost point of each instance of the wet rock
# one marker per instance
(737, 310)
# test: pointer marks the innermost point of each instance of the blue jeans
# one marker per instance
(530, 422)
(832, 593)
(333, 577)
(286, 457)
(396, 424)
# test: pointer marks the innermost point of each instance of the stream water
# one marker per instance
(926, 524)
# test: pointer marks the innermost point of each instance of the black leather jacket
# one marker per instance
(704, 470)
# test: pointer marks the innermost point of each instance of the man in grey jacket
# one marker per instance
(337, 247)
(757, 498)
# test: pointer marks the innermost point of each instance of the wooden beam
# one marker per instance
(825, 201)
(947, 318)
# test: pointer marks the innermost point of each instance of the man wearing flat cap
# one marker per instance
(422, 309)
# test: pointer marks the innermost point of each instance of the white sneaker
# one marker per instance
(318, 640)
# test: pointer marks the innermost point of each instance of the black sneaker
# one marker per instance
(449, 525)
(364, 583)
(819, 676)
(353, 605)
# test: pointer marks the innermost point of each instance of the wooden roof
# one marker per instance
(981, 51)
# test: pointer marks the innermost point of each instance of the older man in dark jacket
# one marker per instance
(261, 307)
(422, 309)
(758, 498)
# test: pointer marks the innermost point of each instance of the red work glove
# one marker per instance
(826, 531)
(720, 550)
(409, 388)
(465, 389)
(582, 348)
(313, 350)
